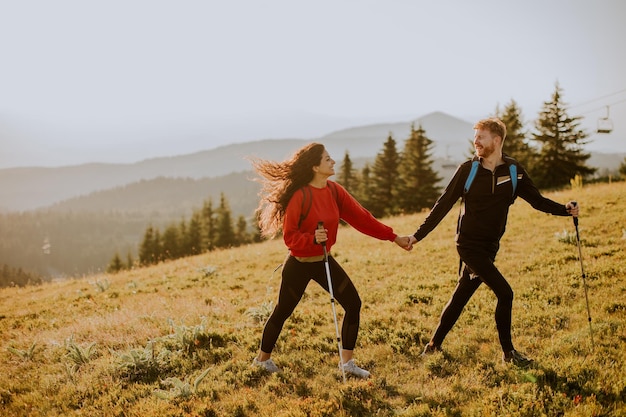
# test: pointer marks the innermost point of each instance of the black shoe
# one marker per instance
(517, 359)
(430, 349)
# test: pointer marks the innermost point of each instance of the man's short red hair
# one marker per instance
(494, 125)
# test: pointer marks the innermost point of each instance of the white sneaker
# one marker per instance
(351, 368)
(268, 365)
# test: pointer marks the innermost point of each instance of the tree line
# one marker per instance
(405, 182)
(397, 182)
(10, 277)
(209, 228)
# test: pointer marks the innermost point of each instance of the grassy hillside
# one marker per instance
(178, 338)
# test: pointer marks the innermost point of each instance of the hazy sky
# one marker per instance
(108, 81)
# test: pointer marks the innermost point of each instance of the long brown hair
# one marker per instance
(280, 180)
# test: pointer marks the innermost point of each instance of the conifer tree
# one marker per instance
(363, 192)
(208, 226)
(171, 242)
(194, 234)
(147, 253)
(384, 177)
(417, 184)
(561, 155)
(115, 265)
(183, 248)
(256, 235)
(516, 142)
(225, 235)
(241, 237)
(130, 262)
(157, 247)
(347, 175)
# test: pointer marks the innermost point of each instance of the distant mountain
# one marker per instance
(164, 199)
(31, 188)
(87, 213)
(451, 135)
(23, 189)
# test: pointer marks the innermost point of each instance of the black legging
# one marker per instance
(480, 263)
(295, 278)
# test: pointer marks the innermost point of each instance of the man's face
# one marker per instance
(485, 143)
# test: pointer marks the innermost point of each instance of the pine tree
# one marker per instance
(208, 226)
(146, 249)
(157, 248)
(171, 242)
(194, 234)
(225, 235)
(516, 142)
(115, 265)
(130, 262)
(242, 237)
(364, 189)
(256, 234)
(561, 155)
(417, 184)
(384, 177)
(183, 248)
(347, 175)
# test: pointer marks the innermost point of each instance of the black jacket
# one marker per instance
(485, 207)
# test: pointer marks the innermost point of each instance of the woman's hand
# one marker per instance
(404, 242)
(321, 236)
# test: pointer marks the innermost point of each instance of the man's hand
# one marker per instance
(573, 208)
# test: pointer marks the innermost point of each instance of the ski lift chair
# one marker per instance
(605, 124)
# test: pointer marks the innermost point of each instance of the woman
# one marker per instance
(295, 196)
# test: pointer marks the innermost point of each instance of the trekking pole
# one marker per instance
(580, 256)
(320, 225)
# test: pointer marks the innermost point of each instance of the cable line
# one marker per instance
(599, 98)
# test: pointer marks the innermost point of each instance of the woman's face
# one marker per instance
(326, 166)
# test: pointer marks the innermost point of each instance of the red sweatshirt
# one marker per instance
(324, 207)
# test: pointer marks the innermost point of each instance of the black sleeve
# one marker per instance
(529, 192)
(452, 193)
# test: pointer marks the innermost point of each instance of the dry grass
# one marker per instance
(137, 343)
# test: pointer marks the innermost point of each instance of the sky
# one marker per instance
(125, 80)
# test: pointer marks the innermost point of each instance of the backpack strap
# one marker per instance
(333, 189)
(474, 169)
(306, 204)
(471, 176)
(513, 173)
(307, 200)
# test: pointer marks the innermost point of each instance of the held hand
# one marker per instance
(573, 208)
(404, 242)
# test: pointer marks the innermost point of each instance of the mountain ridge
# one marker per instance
(31, 188)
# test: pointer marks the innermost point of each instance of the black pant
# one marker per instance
(295, 278)
(478, 267)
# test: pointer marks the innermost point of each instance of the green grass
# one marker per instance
(175, 340)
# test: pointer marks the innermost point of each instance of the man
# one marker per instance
(481, 224)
